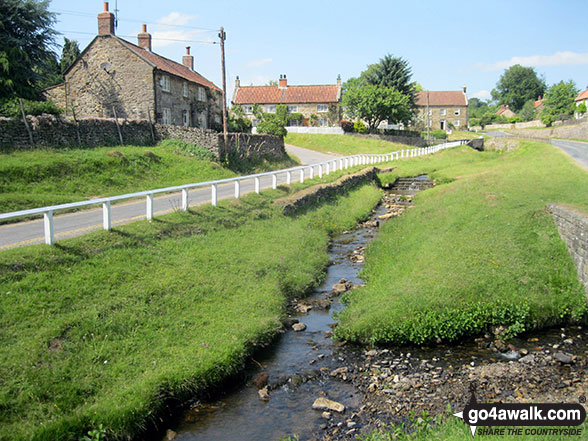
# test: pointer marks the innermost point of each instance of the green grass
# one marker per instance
(107, 328)
(457, 135)
(31, 179)
(342, 144)
(477, 251)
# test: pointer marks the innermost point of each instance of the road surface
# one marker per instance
(78, 223)
(577, 150)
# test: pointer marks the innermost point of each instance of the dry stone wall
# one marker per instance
(52, 131)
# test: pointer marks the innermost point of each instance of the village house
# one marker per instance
(318, 104)
(538, 106)
(582, 97)
(505, 111)
(113, 77)
(440, 109)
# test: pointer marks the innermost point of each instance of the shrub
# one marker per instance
(188, 149)
(272, 126)
(359, 127)
(11, 108)
(347, 126)
(239, 124)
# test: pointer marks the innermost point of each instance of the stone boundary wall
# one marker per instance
(292, 204)
(579, 131)
(52, 131)
(573, 229)
(476, 144)
(406, 140)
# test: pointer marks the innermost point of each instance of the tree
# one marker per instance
(26, 40)
(477, 108)
(70, 53)
(274, 123)
(375, 104)
(559, 102)
(527, 113)
(581, 109)
(517, 85)
(392, 72)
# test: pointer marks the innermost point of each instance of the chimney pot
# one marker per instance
(188, 60)
(283, 83)
(237, 82)
(144, 39)
(105, 21)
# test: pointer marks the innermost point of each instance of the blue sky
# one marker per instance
(448, 44)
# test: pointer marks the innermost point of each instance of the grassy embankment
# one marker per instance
(37, 178)
(107, 328)
(342, 144)
(479, 250)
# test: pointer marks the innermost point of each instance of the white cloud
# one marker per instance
(482, 94)
(257, 63)
(167, 32)
(566, 58)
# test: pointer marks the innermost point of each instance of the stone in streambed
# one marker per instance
(322, 403)
(299, 327)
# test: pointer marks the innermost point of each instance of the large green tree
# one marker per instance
(374, 104)
(392, 72)
(70, 53)
(26, 42)
(559, 101)
(517, 85)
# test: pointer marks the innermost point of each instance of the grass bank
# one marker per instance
(477, 251)
(342, 144)
(107, 328)
(31, 179)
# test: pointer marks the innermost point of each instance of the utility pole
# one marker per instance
(428, 121)
(223, 36)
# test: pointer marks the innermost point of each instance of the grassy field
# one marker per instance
(30, 179)
(342, 144)
(480, 250)
(108, 328)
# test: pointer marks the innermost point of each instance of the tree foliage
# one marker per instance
(375, 104)
(26, 40)
(517, 85)
(70, 53)
(527, 113)
(274, 123)
(559, 102)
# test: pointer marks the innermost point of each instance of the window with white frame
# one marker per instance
(270, 108)
(293, 123)
(248, 110)
(457, 123)
(201, 94)
(165, 84)
(185, 118)
(322, 108)
(185, 90)
(443, 112)
(166, 117)
(457, 112)
(430, 123)
(323, 122)
(202, 120)
(430, 112)
(292, 109)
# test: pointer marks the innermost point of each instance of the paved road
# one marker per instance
(498, 134)
(76, 224)
(577, 150)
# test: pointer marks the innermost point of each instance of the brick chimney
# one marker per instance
(237, 82)
(283, 83)
(188, 60)
(465, 89)
(339, 80)
(106, 22)
(144, 39)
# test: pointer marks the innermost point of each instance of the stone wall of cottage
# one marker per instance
(52, 131)
(108, 75)
(436, 117)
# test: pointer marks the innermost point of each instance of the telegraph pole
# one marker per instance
(223, 36)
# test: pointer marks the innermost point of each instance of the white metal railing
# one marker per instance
(324, 168)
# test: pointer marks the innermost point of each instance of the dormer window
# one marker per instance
(165, 84)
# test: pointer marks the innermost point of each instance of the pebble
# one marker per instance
(298, 327)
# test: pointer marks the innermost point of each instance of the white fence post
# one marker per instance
(185, 200)
(106, 216)
(274, 181)
(149, 206)
(320, 171)
(257, 184)
(237, 189)
(334, 165)
(48, 223)
(214, 195)
(301, 175)
(288, 177)
(311, 173)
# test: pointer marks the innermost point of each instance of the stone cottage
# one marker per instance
(113, 77)
(319, 100)
(505, 111)
(438, 109)
(581, 98)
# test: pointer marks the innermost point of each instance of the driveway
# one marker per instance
(308, 156)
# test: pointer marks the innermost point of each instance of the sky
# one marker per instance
(448, 44)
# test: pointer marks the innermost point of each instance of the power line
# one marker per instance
(86, 14)
(133, 36)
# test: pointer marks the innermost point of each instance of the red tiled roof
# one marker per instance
(169, 66)
(582, 95)
(442, 98)
(538, 103)
(290, 95)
